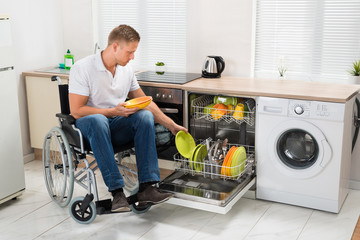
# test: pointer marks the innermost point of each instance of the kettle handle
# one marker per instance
(221, 64)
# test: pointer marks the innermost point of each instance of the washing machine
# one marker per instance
(303, 152)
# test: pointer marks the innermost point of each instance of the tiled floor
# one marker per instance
(34, 216)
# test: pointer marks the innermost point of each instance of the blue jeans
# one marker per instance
(103, 133)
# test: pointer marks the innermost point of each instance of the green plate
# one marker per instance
(185, 144)
(191, 159)
(226, 100)
(199, 157)
(238, 162)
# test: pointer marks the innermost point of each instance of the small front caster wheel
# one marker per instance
(83, 216)
(139, 208)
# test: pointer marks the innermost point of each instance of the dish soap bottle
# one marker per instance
(68, 60)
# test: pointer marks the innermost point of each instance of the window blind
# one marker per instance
(160, 23)
(313, 40)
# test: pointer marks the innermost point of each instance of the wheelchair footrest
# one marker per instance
(103, 206)
(132, 199)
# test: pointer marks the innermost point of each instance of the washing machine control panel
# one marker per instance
(316, 110)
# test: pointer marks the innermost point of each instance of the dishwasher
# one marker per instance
(210, 184)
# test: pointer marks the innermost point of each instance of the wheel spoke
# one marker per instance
(57, 169)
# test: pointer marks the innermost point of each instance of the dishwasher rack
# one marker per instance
(208, 189)
(202, 111)
(216, 169)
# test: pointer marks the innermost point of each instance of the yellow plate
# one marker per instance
(139, 102)
(199, 157)
(185, 144)
(192, 158)
(238, 162)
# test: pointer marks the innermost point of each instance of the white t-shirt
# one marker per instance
(89, 77)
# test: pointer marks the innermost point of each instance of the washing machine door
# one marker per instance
(299, 149)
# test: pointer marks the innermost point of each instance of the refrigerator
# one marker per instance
(12, 179)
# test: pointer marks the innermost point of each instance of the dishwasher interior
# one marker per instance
(223, 128)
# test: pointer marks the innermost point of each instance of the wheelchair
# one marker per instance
(64, 150)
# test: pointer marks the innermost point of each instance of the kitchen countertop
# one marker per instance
(315, 91)
(46, 74)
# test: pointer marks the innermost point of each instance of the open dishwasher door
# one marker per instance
(214, 195)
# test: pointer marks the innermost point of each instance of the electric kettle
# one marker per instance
(213, 67)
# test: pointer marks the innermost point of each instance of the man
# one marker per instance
(98, 87)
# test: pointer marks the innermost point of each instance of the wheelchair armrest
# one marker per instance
(68, 118)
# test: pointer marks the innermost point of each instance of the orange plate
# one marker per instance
(228, 164)
(139, 102)
(227, 159)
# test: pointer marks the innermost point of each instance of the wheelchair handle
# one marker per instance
(56, 78)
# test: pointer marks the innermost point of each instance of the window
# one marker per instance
(160, 23)
(314, 40)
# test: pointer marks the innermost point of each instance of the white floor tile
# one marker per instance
(113, 226)
(34, 216)
(280, 221)
(34, 177)
(25, 204)
(183, 223)
(237, 222)
(324, 225)
(32, 225)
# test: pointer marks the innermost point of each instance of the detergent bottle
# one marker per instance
(68, 59)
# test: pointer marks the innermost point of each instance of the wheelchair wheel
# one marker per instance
(58, 167)
(128, 169)
(83, 217)
(139, 208)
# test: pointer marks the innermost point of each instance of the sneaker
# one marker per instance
(120, 203)
(153, 195)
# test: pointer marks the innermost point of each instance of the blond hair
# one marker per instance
(123, 33)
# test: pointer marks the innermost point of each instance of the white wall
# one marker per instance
(38, 43)
(213, 29)
(77, 23)
(220, 28)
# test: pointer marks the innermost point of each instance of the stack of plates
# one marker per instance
(234, 162)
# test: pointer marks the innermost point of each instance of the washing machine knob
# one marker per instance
(299, 110)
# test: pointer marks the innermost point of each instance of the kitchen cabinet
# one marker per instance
(43, 103)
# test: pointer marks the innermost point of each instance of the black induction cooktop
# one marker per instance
(167, 77)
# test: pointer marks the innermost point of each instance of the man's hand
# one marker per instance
(176, 128)
(120, 110)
